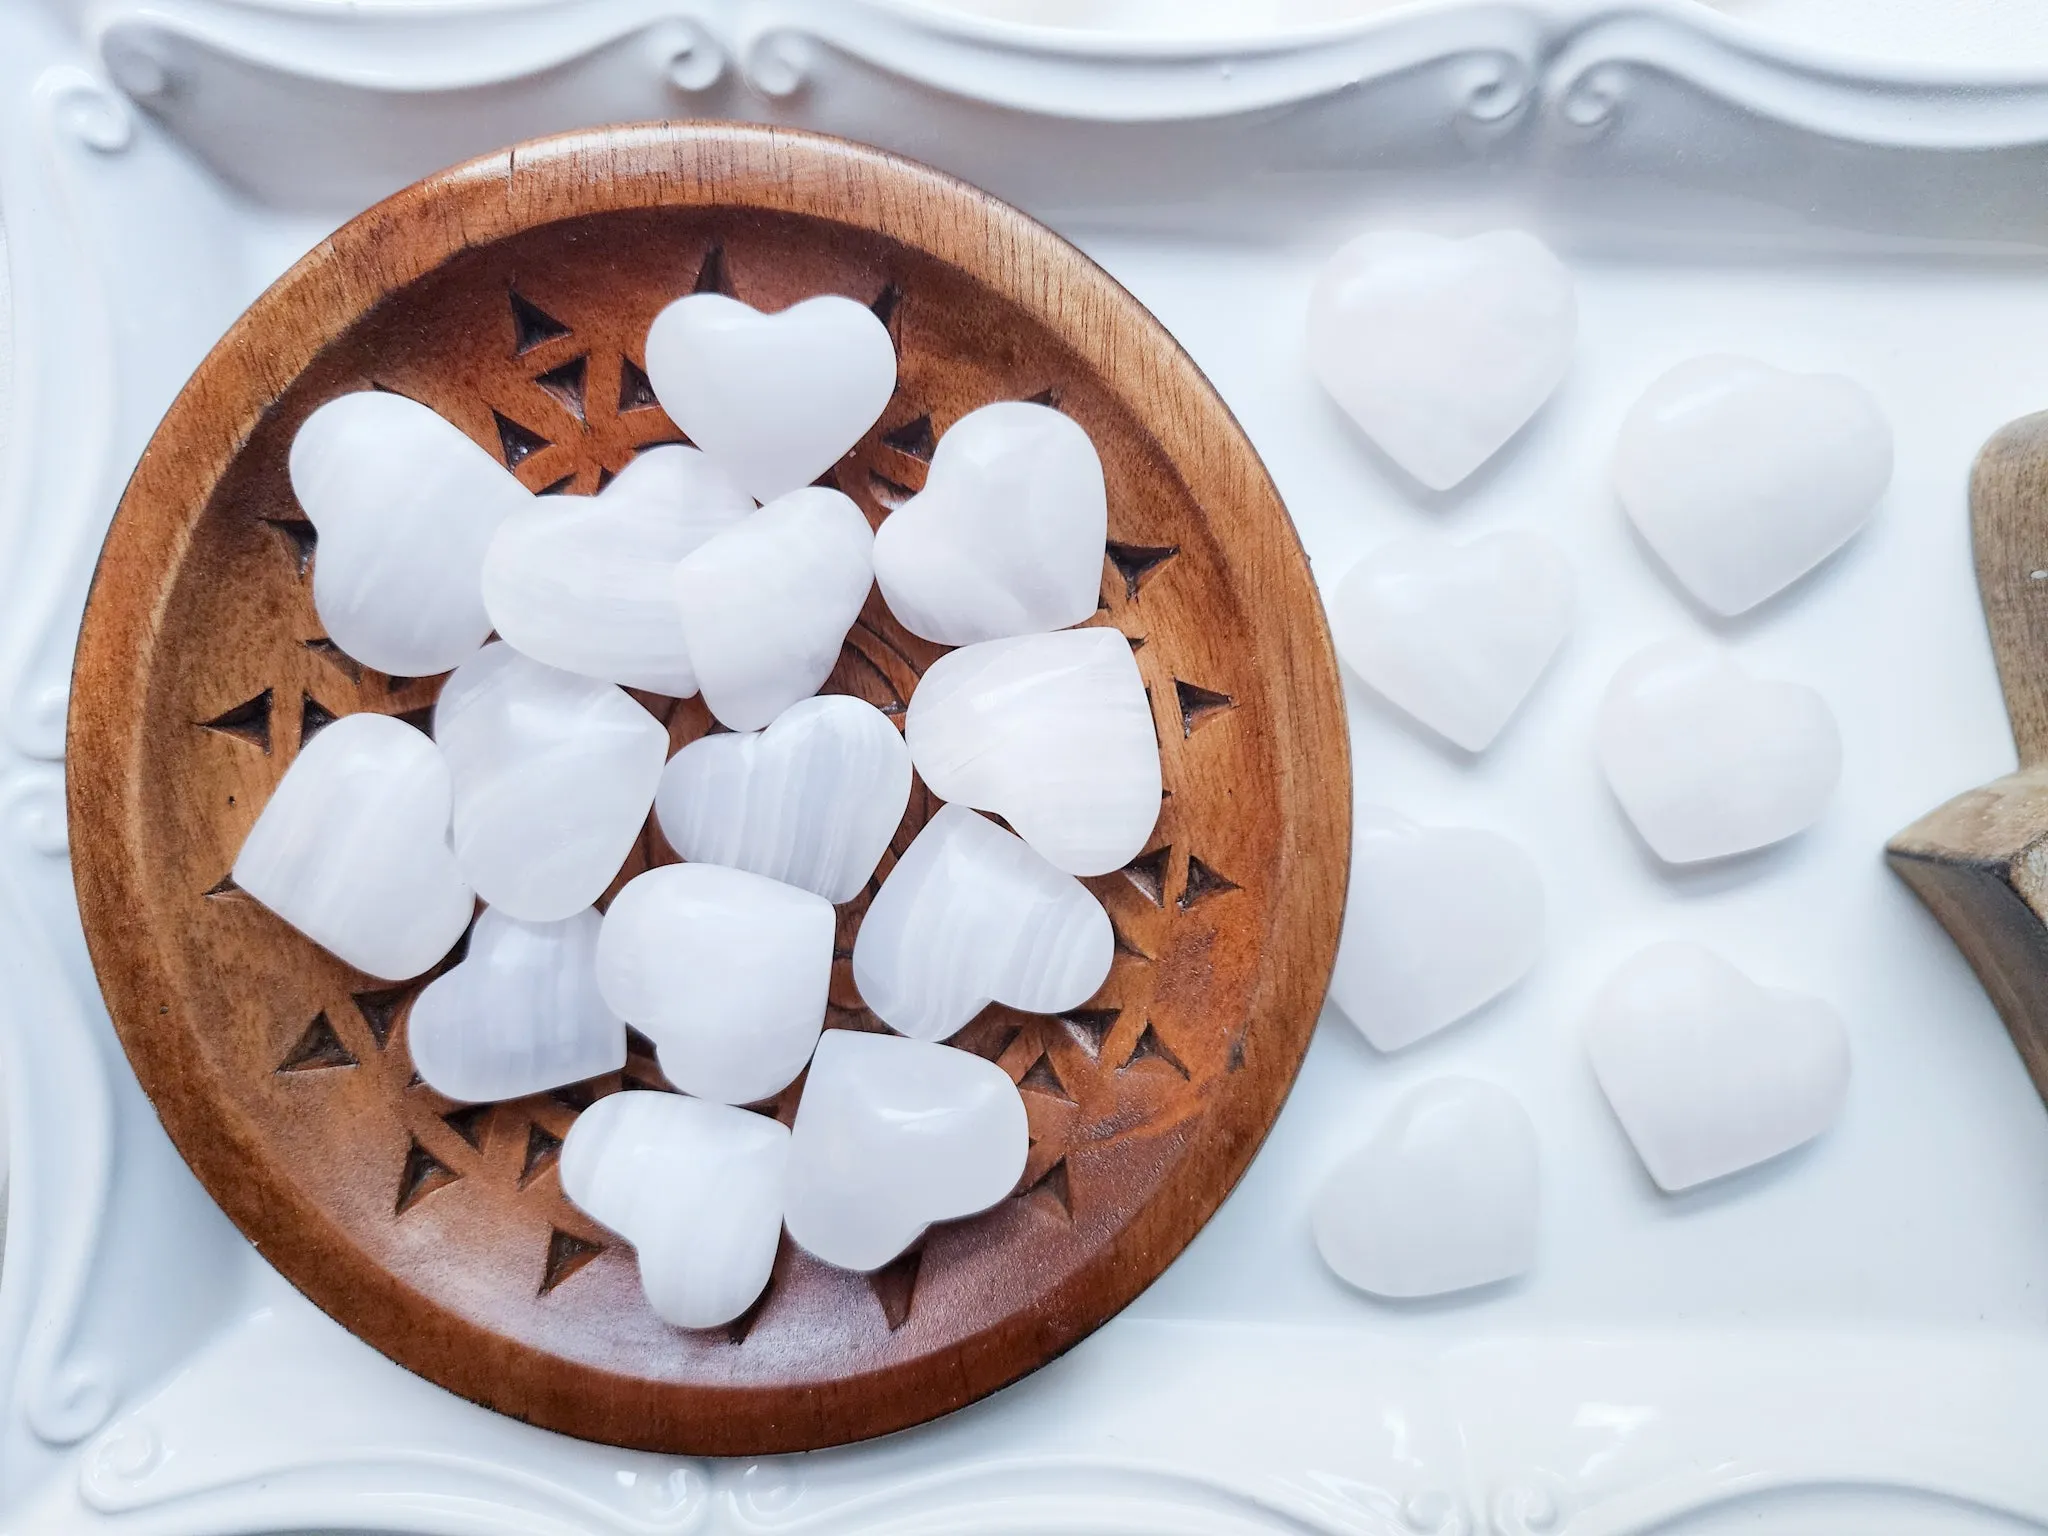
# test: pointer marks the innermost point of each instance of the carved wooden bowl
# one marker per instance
(512, 295)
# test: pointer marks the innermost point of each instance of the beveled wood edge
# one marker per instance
(668, 164)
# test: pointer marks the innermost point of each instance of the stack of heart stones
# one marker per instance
(721, 568)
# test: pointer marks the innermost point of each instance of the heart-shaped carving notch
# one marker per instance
(969, 915)
(352, 848)
(521, 1014)
(1455, 634)
(1743, 477)
(775, 399)
(1439, 921)
(1006, 537)
(1708, 761)
(1442, 349)
(405, 506)
(697, 1189)
(1709, 1072)
(893, 1135)
(1443, 1197)
(812, 800)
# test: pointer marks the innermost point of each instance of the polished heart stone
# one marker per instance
(405, 506)
(696, 1188)
(812, 800)
(352, 849)
(766, 604)
(892, 1135)
(1444, 1196)
(1708, 761)
(725, 971)
(1006, 537)
(1439, 920)
(520, 1014)
(1051, 732)
(972, 915)
(1442, 349)
(1455, 634)
(587, 583)
(554, 775)
(1743, 477)
(776, 399)
(1709, 1072)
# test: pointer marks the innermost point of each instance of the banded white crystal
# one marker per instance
(352, 848)
(972, 915)
(405, 505)
(553, 774)
(892, 1135)
(724, 970)
(812, 800)
(520, 1014)
(696, 1188)
(587, 583)
(1051, 732)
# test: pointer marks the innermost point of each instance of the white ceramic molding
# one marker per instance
(142, 214)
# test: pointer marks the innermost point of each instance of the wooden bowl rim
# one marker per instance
(694, 164)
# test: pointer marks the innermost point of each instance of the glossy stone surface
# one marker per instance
(1006, 537)
(1709, 1072)
(1455, 634)
(1051, 732)
(971, 914)
(695, 1187)
(812, 800)
(724, 971)
(587, 583)
(1438, 922)
(553, 774)
(1442, 1197)
(520, 1014)
(1708, 761)
(1442, 349)
(1743, 477)
(767, 604)
(775, 399)
(405, 505)
(893, 1135)
(352, 848)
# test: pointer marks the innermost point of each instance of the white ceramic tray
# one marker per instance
(1854, 1339)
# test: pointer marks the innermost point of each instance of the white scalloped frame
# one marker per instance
(159, 1378)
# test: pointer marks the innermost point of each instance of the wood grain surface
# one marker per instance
(512, 294)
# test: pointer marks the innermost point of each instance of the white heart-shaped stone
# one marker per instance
(405, 506)
(554, 775)
(972, 915)
(767, 603)
(892, 1135)
(1006, 537)
(1743, 477)
(520, 1014)
(1441, 349)
(1438, 921)
(1709, 1072)
(725, 971)
(776, 399)
(1053, 733)
(812, 800)
(1455, 634)
(1443, 1197)
(695, 1187)
(1709, 761)
(352, 848)
(587, 583)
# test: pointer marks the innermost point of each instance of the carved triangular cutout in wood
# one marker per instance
(313, 716)
(914, 437)
(248, 721)
(1048, 397)
(1203, 882)
(1054, 1183)
(517, 443)
(891, 494)
(988, 1038)
(559, 487)
(1148, 873)
(567, 1253)
(300, 537)
(336, 658)
(1044, 1078)
(636, 391)
(711, 274)
(604, 478)
(422, 1175)
(1089, 1027)
(565, 382)
(531, 325)
(1198, 705)
(319, 1046)
(542, 1148)
(576, 1096)
(1151, 1048)
(470, 1122)
(1125, 945)
(224, 886)
(895, 1286)
(1138, 563)
(886, 301)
